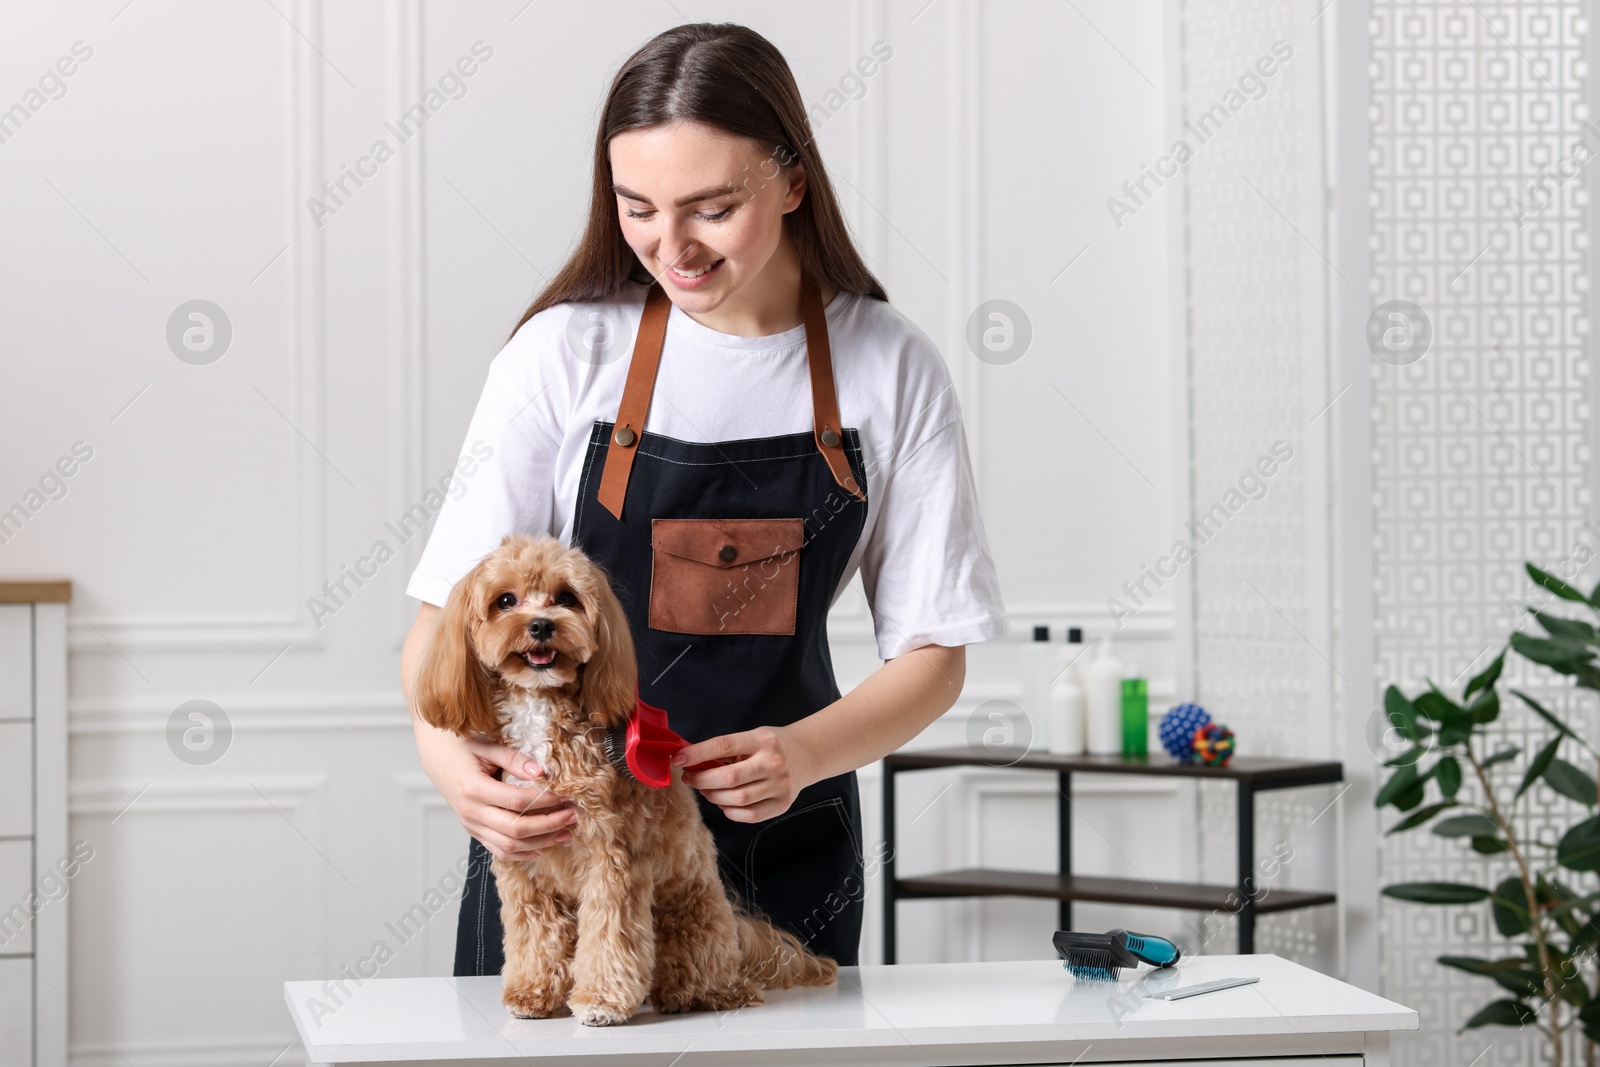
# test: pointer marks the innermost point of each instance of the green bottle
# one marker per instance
(1135, 716)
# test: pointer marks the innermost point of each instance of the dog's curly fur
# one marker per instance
(631, 907)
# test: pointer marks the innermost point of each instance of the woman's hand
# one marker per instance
(763, 771)
(514, 822)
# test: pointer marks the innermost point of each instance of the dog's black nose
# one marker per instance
(541, 629)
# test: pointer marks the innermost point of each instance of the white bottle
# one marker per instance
(1066, 716)
(1039, 667)
(1067, 731)
(1103, 701)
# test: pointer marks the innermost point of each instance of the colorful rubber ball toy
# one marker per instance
(1213, 745)
(1177, 730)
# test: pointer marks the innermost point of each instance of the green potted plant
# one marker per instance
(1449, 779)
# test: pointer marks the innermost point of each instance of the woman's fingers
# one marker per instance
(513, 839)
(728, 776)
(521, 826)
(522, 799)
(744, 795)
(723, 748)
(505, 849)
(506, 758)
(761, 812)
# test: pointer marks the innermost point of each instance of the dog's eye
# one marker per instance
(566, 599)
(506, 601)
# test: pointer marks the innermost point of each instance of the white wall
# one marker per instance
(219, 498)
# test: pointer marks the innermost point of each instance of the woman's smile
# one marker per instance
(694, 277)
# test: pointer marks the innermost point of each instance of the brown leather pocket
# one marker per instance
(725, 576)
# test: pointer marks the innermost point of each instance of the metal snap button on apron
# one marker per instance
(625, 437)
(727, 554)
(830, 438)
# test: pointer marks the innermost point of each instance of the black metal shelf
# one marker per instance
(1252, 775)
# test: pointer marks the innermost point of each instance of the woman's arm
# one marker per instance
(772, 764)
(513, 822)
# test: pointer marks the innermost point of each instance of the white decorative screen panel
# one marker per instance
(1481, 447)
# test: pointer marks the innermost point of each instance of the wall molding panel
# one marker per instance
(305, 404)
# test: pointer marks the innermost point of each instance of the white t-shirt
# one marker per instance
(923, 556)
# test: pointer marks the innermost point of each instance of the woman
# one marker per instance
(713, 388)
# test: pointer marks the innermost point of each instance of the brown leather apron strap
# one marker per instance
(636, 395)
(640, 386)
(824, 402)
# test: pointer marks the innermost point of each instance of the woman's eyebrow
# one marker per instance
(682, 201)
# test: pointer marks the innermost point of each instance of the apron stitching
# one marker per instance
(737, 440)
(583, 486)
(861, 480)
(723, 462)
(849, 829)
(750, 852)
(483, 895)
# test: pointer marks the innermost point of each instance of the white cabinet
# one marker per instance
(33, 823)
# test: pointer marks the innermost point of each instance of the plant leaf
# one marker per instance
(1540, 763)
(1584, 940)
(1555, 585)
(1579, 849)
(1447, 772)
(1557, 653)
(1436, 892)
(1476, 824)
(1572, 629)
(1571, 904)
(1485, 678)
(1502, 1013)
(1500, 757)
(1569, 986)
(1403, 780)
(1514, 975)
(1571, 782)
(1509, 908)
(1402, 715)
(1457, 726)
(1486, 708)
(1489, 846)
(1410, 798)
(1545, 713)
(1434, 705)
(1420, 816)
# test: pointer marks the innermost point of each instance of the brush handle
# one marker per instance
(1147, 948)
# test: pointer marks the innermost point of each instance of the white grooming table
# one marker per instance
(908, 1014)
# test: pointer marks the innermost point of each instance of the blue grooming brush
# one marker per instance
(1098, 957)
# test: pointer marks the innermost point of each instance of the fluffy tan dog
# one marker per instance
(533, 650)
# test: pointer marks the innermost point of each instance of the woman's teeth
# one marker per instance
(697, 272)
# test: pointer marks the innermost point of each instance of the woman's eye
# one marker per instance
(718, 217)
(566, 599)
(506, 601)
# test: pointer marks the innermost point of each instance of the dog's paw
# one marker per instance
(533, 1003)
(598, 1012)
(742, 996)
(673, 1003)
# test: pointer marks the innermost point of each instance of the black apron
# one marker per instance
(726, 556)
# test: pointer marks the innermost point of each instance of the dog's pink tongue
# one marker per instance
(541, 657)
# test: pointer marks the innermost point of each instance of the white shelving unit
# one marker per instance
(33, 823)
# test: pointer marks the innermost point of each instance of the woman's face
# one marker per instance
(692, 197)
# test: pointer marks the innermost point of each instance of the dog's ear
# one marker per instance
(454, 690)
(611, 677)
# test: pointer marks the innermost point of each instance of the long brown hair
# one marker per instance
(728, 76)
